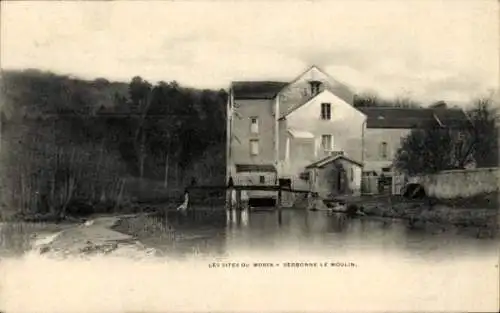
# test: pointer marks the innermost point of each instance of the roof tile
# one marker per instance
(333, 158)
(411, 118)
(255, 168)
(257, 89)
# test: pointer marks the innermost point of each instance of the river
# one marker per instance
(208, 263)
(228, 233)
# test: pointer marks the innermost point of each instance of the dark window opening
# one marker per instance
(326, 111)
(315, 87)
(262, 179)
(285, 182)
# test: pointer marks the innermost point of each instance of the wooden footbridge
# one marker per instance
(229, 189)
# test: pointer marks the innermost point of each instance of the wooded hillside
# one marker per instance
(67, 140)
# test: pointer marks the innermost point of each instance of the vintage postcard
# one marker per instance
(249, 156)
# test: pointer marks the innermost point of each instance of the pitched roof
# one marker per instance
(451, 117)
(257, 89)
(296, 107)
(269, 89)
(338, 88)
(255, 168)
(343, 92)
(332, 158)
(412, 118)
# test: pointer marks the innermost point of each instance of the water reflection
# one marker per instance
(245, 218)
(337, 223)
(223, 232)
(235, 218)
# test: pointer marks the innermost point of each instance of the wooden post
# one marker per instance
(309, 201)
(238, 217)
(278, 203)
(229, 190)
(238, 199)
(278, 200)
(229, 197)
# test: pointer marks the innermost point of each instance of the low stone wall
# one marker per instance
(460, 183)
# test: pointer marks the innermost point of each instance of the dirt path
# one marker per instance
(94, 236)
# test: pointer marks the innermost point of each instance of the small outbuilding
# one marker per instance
(335, 175)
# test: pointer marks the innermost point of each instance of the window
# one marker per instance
(326, 111)
(383, 150)
(254, 125)
(254, 147)
(262, 179)
(327, 142)
(315, 87)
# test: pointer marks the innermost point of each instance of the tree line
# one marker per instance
(68, 143)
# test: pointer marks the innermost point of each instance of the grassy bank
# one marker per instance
(479, 211)
(144, 226)
(481, 201)
(136, 197)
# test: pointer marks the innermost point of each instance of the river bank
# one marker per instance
(104, 233)
(479, 212)
(94, 236)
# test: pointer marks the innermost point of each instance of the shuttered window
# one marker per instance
(326, 111)
(327, 142)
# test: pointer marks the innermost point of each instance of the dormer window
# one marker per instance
(315, 87)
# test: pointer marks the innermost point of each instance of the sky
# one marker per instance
(427, 49)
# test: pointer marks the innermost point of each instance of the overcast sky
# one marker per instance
(425, 49)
